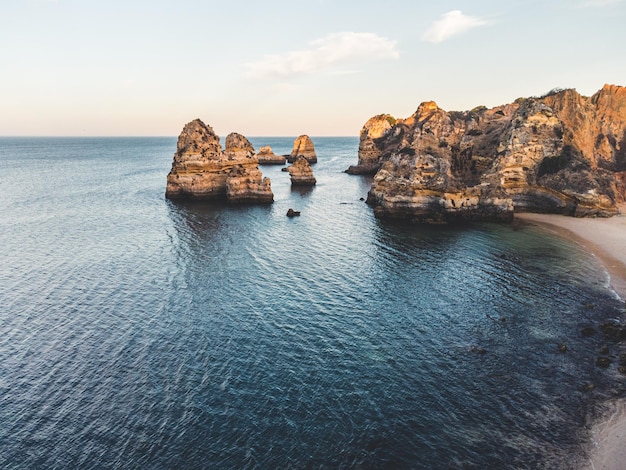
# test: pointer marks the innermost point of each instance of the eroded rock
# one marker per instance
(202, 170)
(303, 147)
(301, 173)
(561, 153)
(266, 156)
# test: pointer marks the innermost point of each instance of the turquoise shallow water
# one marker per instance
(140, 333)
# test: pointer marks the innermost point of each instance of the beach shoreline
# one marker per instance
(606, 239)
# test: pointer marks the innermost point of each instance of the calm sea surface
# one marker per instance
(140, 333)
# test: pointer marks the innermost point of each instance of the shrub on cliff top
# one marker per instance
(554, 91)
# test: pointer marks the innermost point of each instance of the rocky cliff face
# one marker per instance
(266, 156)
(303, 147)
(301, 173)
(201, 170)
(561, 153)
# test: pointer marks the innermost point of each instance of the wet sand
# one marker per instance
(606, 239)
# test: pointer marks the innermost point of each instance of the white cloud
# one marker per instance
(451, 24)
(335, 49)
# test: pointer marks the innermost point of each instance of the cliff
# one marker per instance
(561, 153)
(202, 170)
(303, 147)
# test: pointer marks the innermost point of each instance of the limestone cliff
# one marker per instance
(561, 153)
(303, 147)
(266, 156)
(202, 170)
(301, 173)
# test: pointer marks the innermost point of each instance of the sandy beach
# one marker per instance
(606, 239)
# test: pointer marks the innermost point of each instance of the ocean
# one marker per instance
(138, 332)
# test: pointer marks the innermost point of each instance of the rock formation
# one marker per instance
(374, 131)
(301, 173)
(303, 147)
(266, 156)
(238, 148)
(201, 170)
(560, 153)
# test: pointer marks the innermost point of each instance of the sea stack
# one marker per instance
(201, 170)
(238, 148)
(266, 156)
(560, 153)
(303, 147)
(375, 130)
(301, 173)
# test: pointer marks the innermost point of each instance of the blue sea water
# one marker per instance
(137, 332)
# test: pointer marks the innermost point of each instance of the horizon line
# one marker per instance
(156, 136)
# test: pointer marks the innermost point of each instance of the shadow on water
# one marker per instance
(202, 217)
(302, 190)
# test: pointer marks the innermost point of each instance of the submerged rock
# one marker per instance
(561, 153)
(303, 147)
(613, 331)
(588, 331)
(301, 173)
(201, 170)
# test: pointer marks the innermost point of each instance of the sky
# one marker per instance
(285, 68)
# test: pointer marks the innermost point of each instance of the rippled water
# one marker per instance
(137, 332)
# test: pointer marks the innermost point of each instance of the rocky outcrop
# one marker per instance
(421, 188)
(560, 153)
(303, 147)
(202, 170)
(266, 156)
(239, 148)
(246, 185)
(375, 130)
(301, 173)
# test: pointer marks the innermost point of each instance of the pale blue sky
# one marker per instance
(320, 67)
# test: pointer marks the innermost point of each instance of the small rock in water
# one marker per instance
(588, 331)
(613, 330)
(562, 347)
(292, 213)
(478, 350)
(603, 362)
